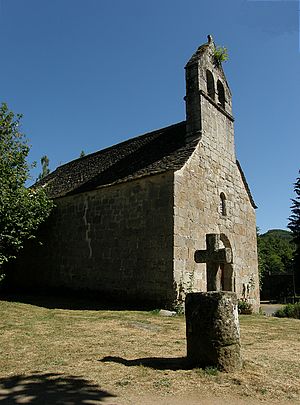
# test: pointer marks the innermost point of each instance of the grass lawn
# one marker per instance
(73, 356)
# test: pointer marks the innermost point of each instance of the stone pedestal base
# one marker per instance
(212, 330)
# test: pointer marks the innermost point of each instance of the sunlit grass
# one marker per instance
(142, 347)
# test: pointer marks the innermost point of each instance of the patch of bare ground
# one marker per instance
(57, 356)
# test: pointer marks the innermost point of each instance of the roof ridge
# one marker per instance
(127, 141)
(138, 158)
(155, 151)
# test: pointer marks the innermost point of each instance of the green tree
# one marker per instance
(22, 210)
(275, 252)
(261, 257)
(82, 154)
(294, 226)
(45, 167)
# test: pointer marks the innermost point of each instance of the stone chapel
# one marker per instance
(156, 216)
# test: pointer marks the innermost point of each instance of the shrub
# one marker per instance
(220, 54)
(244, 307)
(289, 311)
(210, 370)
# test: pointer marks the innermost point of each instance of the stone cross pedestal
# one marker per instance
(213, 257)
(212, 330)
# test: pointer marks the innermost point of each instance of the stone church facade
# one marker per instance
(129, 219)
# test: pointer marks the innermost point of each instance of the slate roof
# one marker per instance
(152, 153)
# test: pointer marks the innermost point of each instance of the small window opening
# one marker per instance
(221, 93)
(223, 210)
(210, 83)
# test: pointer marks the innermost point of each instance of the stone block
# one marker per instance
(212, 330)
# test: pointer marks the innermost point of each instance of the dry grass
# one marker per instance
(51, 356)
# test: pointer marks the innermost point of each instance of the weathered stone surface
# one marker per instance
(132, 233)
(212, 177)
(116, 241)
(212, 330)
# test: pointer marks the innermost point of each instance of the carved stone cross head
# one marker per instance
(213, 253)
(214, 257)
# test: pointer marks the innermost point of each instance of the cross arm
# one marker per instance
(219, 256)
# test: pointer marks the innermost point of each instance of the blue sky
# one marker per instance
(87, 74)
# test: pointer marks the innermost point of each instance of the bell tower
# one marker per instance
(208, 100)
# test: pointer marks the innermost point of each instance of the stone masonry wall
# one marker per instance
(116, 240)
(210, 171)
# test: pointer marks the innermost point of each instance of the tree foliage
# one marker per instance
(22, 210)
(294, 226)
(45, 167)
(220, 54)
(275, 252)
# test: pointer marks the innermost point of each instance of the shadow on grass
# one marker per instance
(50, 389)
(72, 301)
(157, 363)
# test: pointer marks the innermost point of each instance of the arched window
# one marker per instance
(221, 93)
(223, 210)
(210, 83)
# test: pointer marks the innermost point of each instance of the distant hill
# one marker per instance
(281, 233)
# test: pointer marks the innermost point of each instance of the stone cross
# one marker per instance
(213, 257)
